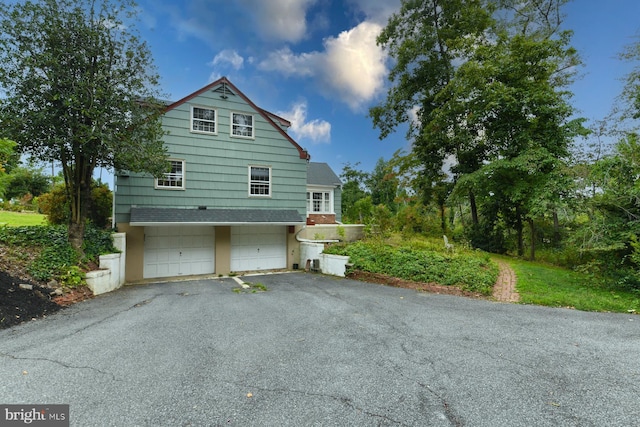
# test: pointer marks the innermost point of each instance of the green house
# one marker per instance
(235, 197)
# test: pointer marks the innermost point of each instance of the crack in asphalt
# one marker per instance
(111, 316)
(341, 399)
(57, 362)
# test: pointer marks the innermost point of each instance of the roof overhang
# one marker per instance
(144, 217)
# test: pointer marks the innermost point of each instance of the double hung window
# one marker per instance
(242, 125)
(175, 178)
(319, 202)
(203, 120)
(259, 181)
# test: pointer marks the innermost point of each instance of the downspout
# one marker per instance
(113, 203)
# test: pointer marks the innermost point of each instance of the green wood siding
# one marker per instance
(216, 166)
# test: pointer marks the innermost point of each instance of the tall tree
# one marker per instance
(353, 190)
(81, 90)
(628, 106)
(496, 93)
(427, 38)
(383, 184)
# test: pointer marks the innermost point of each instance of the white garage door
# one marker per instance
(178, 251)
(258, 248)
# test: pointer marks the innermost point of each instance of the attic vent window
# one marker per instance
(224, 91)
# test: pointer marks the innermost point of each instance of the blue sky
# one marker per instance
(315, 62)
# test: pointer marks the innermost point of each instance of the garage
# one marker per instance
(261, 247)
(178, 251)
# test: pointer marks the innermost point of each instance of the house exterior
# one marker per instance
(236, 195)
(324, 195)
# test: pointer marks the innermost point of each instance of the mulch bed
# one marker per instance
(19, 304)
(434, 288)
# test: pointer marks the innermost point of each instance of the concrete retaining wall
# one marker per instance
(334, 265)
(111, 274)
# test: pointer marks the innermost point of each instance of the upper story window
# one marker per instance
(259, 181)
(242, 125)
(173, 180)
(203, 120)
(319, 202)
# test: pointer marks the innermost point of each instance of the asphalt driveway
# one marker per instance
(316, 350)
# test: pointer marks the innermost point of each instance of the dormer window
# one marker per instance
(203, 120)
(242, 125)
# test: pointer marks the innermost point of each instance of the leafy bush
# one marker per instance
(58, 260)
(54, 204)
(468, 270)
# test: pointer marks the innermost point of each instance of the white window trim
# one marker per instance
(310, 191)
(215, 120)
(253, 125)
(249, 180)
(157, 186)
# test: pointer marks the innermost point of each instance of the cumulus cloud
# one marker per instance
(351, 65)
(355, 64)
(228, 56)
(284, 20)
(290, 64)
(317, 131)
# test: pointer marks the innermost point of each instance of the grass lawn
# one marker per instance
(551, 286)
(15, 219)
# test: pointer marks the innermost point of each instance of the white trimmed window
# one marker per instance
(173, 180)
(319, 202)
(242, 125)
(259, 181)
(203, 120)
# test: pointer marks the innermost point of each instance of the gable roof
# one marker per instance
(224, 86)
(321, 174)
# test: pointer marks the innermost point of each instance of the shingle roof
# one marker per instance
(321, 174)
(177, 216)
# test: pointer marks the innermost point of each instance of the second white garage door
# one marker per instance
(258, 248)
(178, 251)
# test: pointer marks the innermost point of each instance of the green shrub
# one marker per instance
(54, 204)
(468, 270)
(58, 260)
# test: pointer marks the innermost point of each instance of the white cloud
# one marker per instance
(284, 20)
(286, 62)
(352, 66)
(317, 130)
(228, 56)
(355, 64)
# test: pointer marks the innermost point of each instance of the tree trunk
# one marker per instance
(443, 218)
(556, 230)
(532, 229)
(474, 208)
(519, 230)
(78, 182)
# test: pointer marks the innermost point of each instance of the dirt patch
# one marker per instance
(408, 284)
(33, 299)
